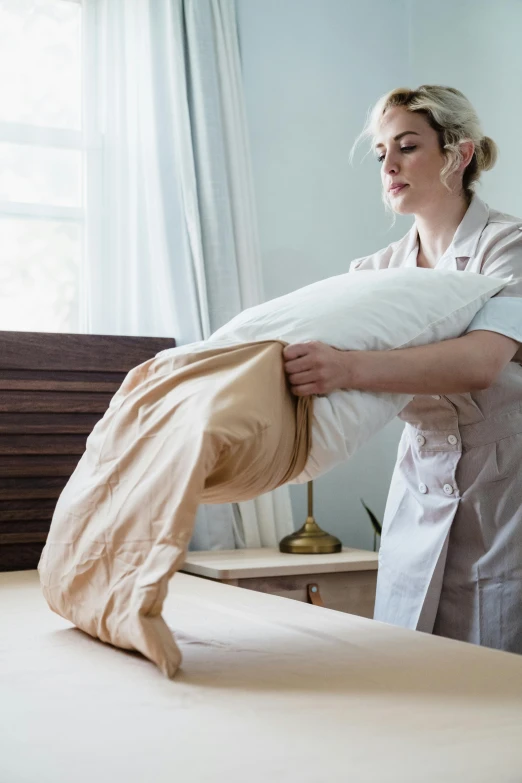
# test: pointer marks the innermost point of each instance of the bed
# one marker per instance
(269, 689)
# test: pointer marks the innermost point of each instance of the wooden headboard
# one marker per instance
(53, 390)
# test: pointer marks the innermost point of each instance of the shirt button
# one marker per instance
(452, 439)
(423, 488)
(421, 440)
(436, 396)
(448, 489)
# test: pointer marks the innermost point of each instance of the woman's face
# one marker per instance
(411, 161)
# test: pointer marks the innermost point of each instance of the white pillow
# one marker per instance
(364, 310)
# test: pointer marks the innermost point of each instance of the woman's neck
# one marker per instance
(436, 226)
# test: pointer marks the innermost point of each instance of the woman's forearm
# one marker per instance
(465, 364)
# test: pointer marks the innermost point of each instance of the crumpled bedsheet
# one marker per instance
(213, 425)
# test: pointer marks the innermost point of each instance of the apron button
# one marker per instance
(452, 439)
(448, 489)
(421, 440)
(423, 489)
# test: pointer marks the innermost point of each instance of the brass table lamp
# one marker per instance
(310, 539)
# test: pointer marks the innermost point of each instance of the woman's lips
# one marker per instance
(397, 189)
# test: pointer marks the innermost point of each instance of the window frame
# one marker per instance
(88, 141)
(47, 137)
(44, 138)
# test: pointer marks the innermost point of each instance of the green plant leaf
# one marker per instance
(373, 519)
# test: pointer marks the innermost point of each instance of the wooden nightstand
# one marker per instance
(344, 581)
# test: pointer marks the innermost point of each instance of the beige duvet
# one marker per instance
(213, 426)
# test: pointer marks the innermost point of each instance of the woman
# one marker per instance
(451, 552)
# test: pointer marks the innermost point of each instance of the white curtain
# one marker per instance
(172, 237)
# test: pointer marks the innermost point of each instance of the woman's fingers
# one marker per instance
(299, 357)
(299, 378)
(306, 390)
(304, 364)
(296, 350)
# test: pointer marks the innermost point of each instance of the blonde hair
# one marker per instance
(454, 119)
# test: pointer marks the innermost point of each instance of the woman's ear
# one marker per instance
(467, 148)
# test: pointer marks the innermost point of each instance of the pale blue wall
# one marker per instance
(475, 45)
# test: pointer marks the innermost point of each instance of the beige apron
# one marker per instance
(214, 426)
(451, 555)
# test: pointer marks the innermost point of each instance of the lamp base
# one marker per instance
(310, 540)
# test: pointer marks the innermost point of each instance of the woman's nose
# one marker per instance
(390, 164)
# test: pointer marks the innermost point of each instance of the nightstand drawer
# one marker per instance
(349, 591)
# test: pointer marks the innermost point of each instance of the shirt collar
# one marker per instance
(467, 235)
(464, 242)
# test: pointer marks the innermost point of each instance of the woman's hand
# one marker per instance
(316, 368)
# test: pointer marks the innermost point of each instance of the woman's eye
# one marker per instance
(403, 149)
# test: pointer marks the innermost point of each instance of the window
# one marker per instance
(42, 164)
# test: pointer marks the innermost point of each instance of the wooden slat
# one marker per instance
(58, 385)
(74, 352)
(52, 423)
(35, 465)
(27, 511)
(27, 527)
(42, 444)
(53, 402)
(20, 557)
(32, 487)
(22, 538)
(45, 375)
